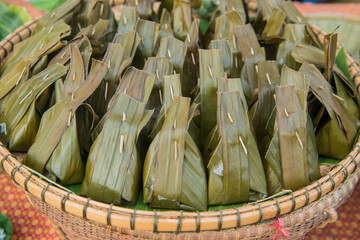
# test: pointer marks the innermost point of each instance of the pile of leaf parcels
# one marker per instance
(191, 115)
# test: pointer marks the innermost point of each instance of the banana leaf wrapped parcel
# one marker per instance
(236, 173)
(20, 117)
(56, 148)
(174, 176)
(113, 170)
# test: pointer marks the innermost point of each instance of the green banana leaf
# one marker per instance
(225, 25)
(301, 86)
(113, 170)
(274, 25)
(17, 106)
(226, 6)
(92, 12)
(272, 166)
(324, 93)
(143, 8)
(65, 164)
(330, 46)
(29, 51)
(127, 20)
(64, 12)
(331, 138)
(148, 32)
(224, 47)
(210, 64)
(306, 53)
(161, 67)
(251, 53)
(294, 34)
(171, 89)
(165, 25)
(175, 178)
(268, 79)
(181, 18)
(135, 83)
(174, 50)
(47, 140)
(292, 138)
(23, 135)
(63, 56)
(266, 7)
(129, 41)
(191, 64)
(235, 167)
(292, 13)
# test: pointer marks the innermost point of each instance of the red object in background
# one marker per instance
(334, 8)
(28, 222)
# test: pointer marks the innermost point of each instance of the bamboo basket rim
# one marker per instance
(172, 221)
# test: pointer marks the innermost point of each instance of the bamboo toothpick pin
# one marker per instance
(160, 95)
(175, 150)
(169, 53)
(21, 75)
(121, 143)
(243, 145)
(69, 119)
(106, 90)
(210, 72)
(157, 73)
(172, 93)
(338, 97)
(27, 95)
(299, 139)
(193, 58)
(230, 118)
(268, 78)
(101, 9)
(286, 113)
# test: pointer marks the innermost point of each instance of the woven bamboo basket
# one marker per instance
(79, 218)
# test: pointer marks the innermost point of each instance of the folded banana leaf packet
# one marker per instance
(174, 175)
(177, 104)
(236, 173)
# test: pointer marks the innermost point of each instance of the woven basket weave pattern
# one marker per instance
(81, 218)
